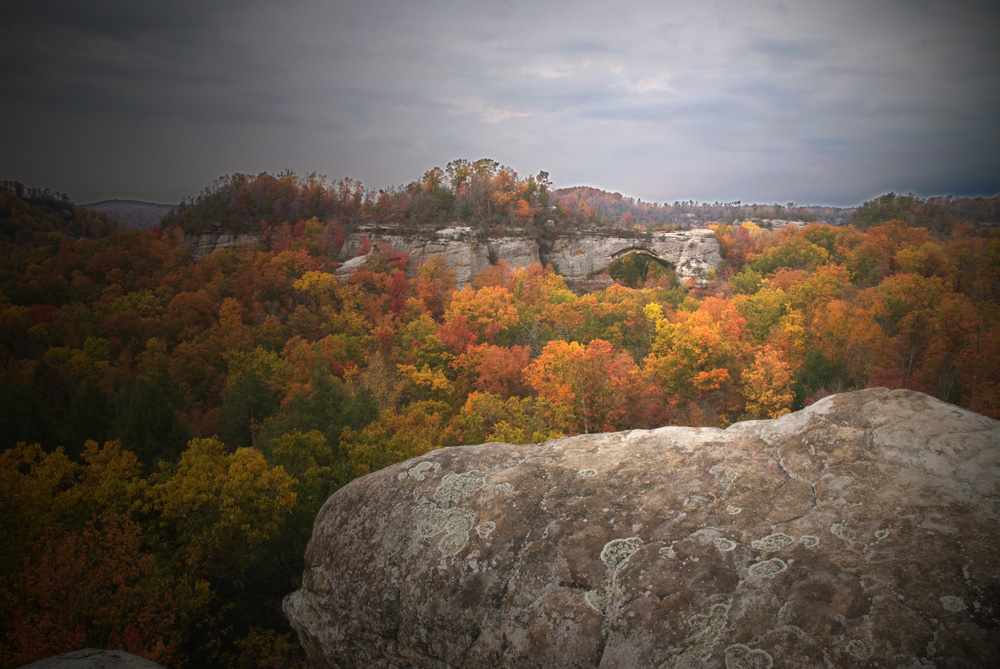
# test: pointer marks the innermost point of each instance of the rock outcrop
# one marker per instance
(578, 258)
(862, 531)
(206, 244)
(692, 253)
(92, 658)
(457, 247)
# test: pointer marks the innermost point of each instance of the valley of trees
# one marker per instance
(171, 427)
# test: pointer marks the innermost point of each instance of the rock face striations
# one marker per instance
(692, 253)
(206, 244)
(578, 258)
(862, 530)
(458, 248)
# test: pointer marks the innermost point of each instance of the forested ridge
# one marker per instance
(496, 201)
(172, 426)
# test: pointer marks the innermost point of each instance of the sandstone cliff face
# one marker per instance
(862, 530)
(692, 253)
(206, 244)
(458, 248)
(578, 258)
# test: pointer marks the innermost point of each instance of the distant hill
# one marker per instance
(616, 208)
(133, 213)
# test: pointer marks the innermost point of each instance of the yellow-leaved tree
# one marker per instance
(767, 384)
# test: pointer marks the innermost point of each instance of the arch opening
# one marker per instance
(635, 268)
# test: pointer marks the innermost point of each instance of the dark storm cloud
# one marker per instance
(118, 20)
(689, 100)
(133, 60)
(80, 35)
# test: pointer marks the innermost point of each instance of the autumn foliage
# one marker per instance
(172, 426)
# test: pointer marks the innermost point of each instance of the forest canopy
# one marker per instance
(495, 200)
(175, 424)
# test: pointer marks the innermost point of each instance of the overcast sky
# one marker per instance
(805, 101)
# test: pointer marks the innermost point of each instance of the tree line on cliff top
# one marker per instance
(175, 425)
(494, 200)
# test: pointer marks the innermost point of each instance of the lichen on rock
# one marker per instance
(501, 557)
(485, 529)
(952, 603)
(429, 518)
(417, 471)
(739, 656)
(862, 650)
(773, 542)
(613, 555)
(456, 523)
(597, 599)
(455, 487)
(617, 551)
(769, 568)
(725, 545)
(705, 632)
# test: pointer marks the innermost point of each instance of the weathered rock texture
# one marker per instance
(457, 247)
(861, 530)
(692, 253)
(206, 244)
(578, 258)
(92, 658)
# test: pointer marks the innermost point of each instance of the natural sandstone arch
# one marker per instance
(579, 257)
(638, 250)
(666, 261)
(625, 268)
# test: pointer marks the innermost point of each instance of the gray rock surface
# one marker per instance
(457, 246)
(692, 253)
(206, 244)
(91, 658)
(861, 531)
(578, 258)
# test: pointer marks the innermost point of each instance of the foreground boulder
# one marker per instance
(862, 531)
(93, 658)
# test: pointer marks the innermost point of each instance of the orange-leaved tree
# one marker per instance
(593, 388)
(478, 316)
(697, 357)
(92, 588)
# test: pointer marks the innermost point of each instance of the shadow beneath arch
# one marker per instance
(635, 267)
